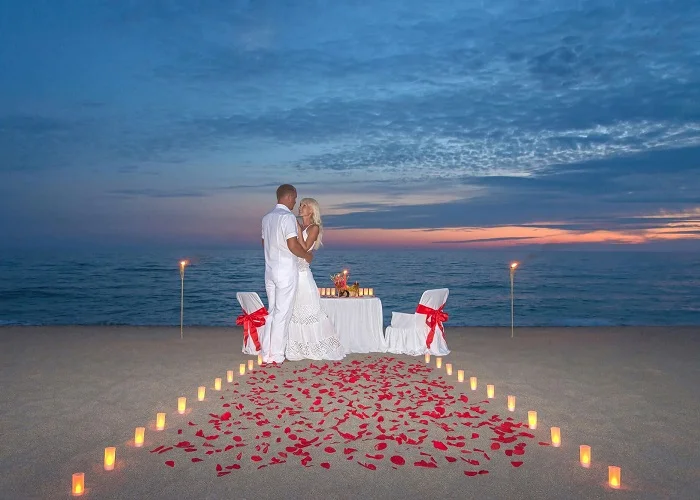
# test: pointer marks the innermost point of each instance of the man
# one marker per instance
(279, 239)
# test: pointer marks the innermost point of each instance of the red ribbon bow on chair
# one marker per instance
(250, 323)
(434, 317)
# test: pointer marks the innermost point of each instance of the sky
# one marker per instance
(442, 124)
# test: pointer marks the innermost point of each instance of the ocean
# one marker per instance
(551, 288)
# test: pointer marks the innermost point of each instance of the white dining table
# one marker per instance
(359, 322)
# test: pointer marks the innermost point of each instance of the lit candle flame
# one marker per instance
(513, 265)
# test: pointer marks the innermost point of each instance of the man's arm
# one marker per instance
(298, 250)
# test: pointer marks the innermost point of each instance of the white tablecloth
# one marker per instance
(359, 322)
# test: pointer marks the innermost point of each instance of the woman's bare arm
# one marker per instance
(312, 236)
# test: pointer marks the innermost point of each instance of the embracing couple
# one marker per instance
(297, 328)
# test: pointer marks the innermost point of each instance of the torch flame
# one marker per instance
(513, 265)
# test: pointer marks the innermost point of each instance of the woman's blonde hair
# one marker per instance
(315, 218)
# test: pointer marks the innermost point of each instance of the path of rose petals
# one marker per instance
(377, 413)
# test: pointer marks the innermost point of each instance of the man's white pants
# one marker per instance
(280, 300)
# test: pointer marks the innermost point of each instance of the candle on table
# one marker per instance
(160, 421)
(472, 383)
(229, 376)
(110, 456)
(138, 436)
(241, 369)
(448, 368)
(614, 477)
(490, 390)
(201, 391)
(181, 405)
(360, 292)
(251, 364)
(371, 292)
(438, 362)
(460, 375)
(217, 384)
(78, 486)
(556, 437)
(532, 419)
(584, 453)
(511, 403)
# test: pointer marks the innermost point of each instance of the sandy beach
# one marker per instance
(371, 426)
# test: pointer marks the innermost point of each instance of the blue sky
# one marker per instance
(445, 124)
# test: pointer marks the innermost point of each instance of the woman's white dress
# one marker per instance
(311, 333)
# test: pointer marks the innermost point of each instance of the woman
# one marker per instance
(311, 333)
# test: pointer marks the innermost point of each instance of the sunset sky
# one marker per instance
(415, 124)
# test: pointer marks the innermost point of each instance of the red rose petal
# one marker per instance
(170, 463)
(516, 464)
(398, 460)
(326, 465)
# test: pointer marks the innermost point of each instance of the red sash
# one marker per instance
(250, 323)
(433, 317)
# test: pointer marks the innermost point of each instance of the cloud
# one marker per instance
(575, 116)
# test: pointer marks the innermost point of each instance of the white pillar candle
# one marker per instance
(160, 421)
(110, 457)
(229, 376)
(490, 391)
(556, 436)
(614, 477)
(181, 405)
(251, 365)
(371, 292)
(241, 369)
(259, 359)
(78, 486)
(427, 358)
(217, 384)
(472, 383)
(511, 403)
(138, 436)
(532, 419)
(438, 362)
(584, 454)
(201, 391)
(448, 368)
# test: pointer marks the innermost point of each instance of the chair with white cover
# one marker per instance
(422, 331)
(253, 321)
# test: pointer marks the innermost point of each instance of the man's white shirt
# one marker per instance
(277, 227)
